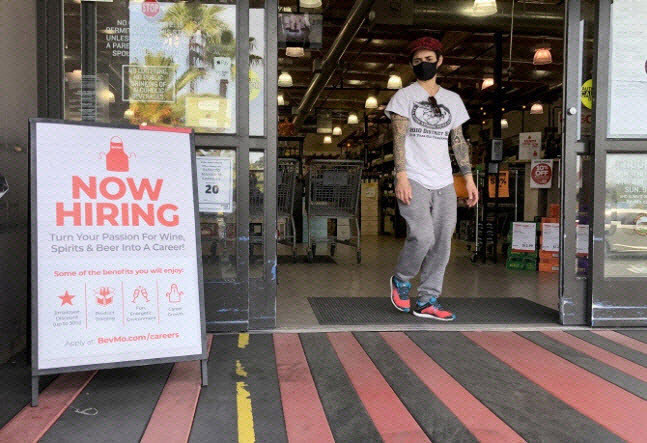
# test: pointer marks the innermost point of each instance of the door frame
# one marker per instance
(256, 299)
(615, 302)
(573, 289)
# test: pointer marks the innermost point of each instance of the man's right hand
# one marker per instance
(403, 188)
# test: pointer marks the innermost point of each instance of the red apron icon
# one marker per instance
(117, 159)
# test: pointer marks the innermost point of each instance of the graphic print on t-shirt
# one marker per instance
(427, 141)
(426, 116)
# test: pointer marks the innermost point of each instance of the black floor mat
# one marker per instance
(379, 310)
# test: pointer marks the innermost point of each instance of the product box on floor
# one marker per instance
(549, 267)
(521, 263)
(547, 255)
(370, 191)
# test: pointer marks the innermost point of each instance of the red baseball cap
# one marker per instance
(429, 43)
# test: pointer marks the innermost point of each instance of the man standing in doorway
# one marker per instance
(424, 117)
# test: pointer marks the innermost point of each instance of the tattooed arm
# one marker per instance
(461, 151)
(400, 127)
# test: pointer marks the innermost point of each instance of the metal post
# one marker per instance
(204, 372)
(498, 113)
(523, 120)
(516, 195)
(35, 389)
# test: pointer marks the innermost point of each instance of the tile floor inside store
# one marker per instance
(346, 278)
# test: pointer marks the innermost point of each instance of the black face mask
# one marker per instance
(425, 70)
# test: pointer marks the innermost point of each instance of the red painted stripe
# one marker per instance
(305, 419)
(609, 358)
(629, 342)
(32, 423)
(391, 418)
(612, 407)
(478, 419)
(173, 415)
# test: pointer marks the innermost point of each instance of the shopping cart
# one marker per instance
(286, 184)
(333, 192)
(285, 194)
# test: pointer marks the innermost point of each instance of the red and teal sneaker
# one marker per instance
(432, 309)
(400, 294)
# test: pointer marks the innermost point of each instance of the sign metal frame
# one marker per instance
(33, 243)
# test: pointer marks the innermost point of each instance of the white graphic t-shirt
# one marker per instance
(426, 145)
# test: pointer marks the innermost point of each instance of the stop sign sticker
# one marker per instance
(150, 8)
(541, 174)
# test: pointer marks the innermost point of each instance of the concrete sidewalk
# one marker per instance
(550, 386)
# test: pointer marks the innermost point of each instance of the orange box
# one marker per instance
(460, 186)
(554, 261)
(545, 255)
(553, 210)
(549, 220)
(548, 267)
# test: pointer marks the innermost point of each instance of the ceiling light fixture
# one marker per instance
(537, 108)
(542, 57)
(336, 130)
(327, 140)
(285, 80)
(352, 119)
(504, 123)
(295, 51)
(484, 8)
(310, 4)
(281, 100)
(487, 83)
(395, 82)
(371, 102)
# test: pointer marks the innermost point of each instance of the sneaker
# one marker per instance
(400, 294)
(432, 309)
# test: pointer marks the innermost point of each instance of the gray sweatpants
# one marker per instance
(431, 220)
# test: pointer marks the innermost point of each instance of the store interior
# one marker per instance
(333, 90)
(338, 64)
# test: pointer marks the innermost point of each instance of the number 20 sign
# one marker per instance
(215, 184)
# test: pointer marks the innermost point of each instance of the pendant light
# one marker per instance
(310, 4)
(352, 119)
(294, 51)
(537, 108)
(281, 100)
(487, 83)
(504, 123)
(484, 8)
(395, 82)
(285, 80)
(336, 130)
(542, 57)
(371, 102)
(327, 140)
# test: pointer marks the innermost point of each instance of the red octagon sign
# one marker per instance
(150, 8)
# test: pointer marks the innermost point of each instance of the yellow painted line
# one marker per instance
(245, 417)
(243, 340)
(240, 370)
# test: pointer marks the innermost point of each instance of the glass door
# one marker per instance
(207, 65)
(576, 145)
(619, 247)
